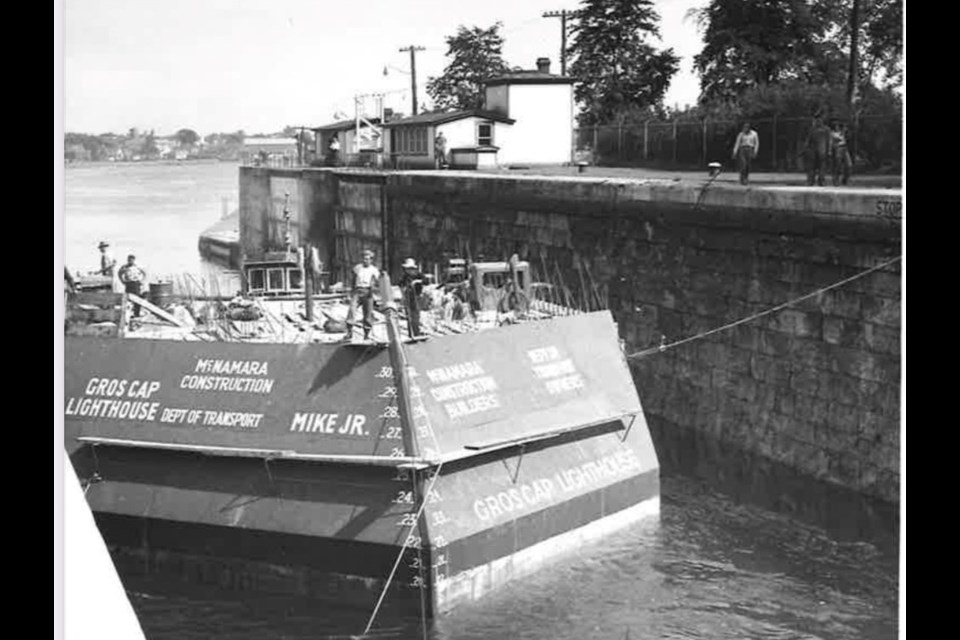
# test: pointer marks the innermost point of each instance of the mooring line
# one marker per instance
(779, 307)
(403, 549)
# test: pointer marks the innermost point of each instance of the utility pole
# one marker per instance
(854, 53)
(413, 73)
(563, 14)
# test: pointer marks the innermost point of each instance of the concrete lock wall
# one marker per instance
(310, 192)
(813, 388)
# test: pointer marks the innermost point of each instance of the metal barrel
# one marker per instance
(161, 294)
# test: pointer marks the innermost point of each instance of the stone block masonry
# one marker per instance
(815, 388)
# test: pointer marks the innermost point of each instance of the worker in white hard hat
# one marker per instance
(411, 283)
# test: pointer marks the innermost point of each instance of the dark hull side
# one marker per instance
(480, 456)
(335, 531)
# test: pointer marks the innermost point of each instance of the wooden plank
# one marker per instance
(98, 298)
(98, 330)
(271, 454)
(91, 316)
(155, 310)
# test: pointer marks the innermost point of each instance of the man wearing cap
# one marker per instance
(107, 261)
(411, 283)
(132, 277)
(365, 279)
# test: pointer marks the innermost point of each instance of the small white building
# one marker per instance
(527, 119)
(471, 136)
(542, 105)
(351, 147)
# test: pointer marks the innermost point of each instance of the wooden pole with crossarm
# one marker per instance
(563, 14)
(413, 73)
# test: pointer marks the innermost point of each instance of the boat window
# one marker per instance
(256, 279)
(499, 279)
(296, 278)
(275, 280)
(495, 279)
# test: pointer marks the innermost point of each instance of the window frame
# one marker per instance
(252, 275)
(283, 279)
(491, 138)
(410, 141)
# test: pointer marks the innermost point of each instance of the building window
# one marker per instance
(409, 141)
(484, 134)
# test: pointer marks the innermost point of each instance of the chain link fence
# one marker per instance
(875, 143)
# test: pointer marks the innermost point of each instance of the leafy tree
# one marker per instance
(616, 67)
(236, 137)
(883, 39)
(186, 137)
(475, 57)
(751, 44)
(149, 147)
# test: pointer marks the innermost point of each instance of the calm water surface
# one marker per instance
(710, 569)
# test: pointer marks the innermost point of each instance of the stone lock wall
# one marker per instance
(814, 388)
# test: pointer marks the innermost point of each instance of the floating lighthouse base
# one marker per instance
(320, 470)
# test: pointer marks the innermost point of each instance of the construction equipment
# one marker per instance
(490, 286)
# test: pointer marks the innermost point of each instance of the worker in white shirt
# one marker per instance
(745, 150)
(366, 277)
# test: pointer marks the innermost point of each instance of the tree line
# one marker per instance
(147, 145)
(791, 58)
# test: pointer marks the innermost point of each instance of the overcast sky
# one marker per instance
(258, 65)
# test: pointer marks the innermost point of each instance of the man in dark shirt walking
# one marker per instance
(817, 151)
(132, 277)
(411, 283)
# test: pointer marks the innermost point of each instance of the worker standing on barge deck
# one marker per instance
(365, 279)
(107, 262)
(411, 283)
(132, 277)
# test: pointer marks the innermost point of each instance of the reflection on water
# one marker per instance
(710, 569)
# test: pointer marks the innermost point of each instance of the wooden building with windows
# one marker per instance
(471, 137)
(527, 119)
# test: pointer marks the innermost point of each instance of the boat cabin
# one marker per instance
(279, 274)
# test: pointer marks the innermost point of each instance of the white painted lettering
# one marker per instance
(544, 354)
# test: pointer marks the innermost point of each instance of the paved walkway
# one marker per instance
(730, 177)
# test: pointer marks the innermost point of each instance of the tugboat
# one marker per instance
(275, 455)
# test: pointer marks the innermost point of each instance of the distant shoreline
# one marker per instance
(76, 164)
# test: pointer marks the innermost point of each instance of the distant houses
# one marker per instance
(270, 151)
